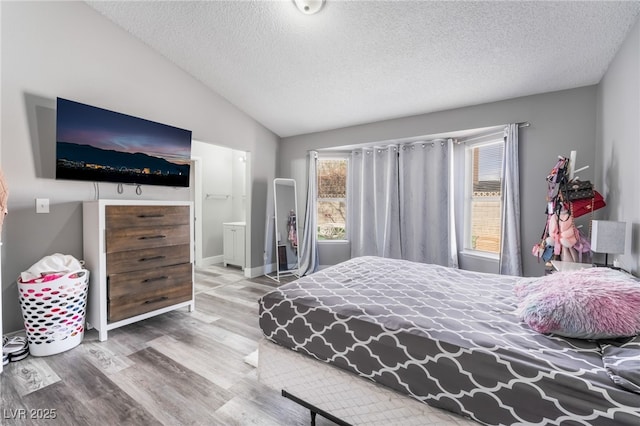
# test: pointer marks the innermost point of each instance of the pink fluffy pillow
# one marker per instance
(594, 303)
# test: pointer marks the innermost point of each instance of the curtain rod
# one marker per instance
(520, 125)
(448, 139)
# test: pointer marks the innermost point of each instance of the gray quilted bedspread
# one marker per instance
(446, 337)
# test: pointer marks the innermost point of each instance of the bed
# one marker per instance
(439, 336)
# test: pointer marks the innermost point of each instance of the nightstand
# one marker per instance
(560, 266)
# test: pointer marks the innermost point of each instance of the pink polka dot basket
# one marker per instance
(54, 312)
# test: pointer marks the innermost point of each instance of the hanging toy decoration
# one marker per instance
(567, 199)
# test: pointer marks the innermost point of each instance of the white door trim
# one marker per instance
(196, 162)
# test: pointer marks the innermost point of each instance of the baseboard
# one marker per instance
(212, 260)
(21, 332)
(259, 271)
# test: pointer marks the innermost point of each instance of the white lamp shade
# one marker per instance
(608, 236)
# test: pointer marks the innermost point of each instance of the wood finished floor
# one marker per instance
(179, 368)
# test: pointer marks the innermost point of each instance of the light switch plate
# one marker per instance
(42, 205)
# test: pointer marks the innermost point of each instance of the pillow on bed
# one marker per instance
(594, 303)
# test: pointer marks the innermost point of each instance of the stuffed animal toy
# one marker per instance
(562, 232)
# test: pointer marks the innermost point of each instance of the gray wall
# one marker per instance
(618, 145)
(560, 122)
(67, 49)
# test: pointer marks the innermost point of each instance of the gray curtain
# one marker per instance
(373, 203)
(453, 240)
(424, 203)
(309, 245)
(510, 252)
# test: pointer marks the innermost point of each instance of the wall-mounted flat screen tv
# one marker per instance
(99, 145)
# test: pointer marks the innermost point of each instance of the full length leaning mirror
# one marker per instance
(286, 228)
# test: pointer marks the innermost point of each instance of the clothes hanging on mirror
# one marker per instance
(291, 228)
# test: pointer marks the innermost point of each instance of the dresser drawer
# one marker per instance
(124, 239)
(135, 216)
(153, 258)
(135, 293)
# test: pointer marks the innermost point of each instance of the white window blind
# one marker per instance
(483, 205)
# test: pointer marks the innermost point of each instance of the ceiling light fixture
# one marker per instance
(309, 7)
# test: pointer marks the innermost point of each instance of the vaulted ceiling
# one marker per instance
(356, 62)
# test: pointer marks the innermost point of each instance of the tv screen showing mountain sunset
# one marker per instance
(96, 144)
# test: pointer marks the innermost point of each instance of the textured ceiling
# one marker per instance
(362, 61)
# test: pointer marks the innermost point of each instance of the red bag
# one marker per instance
(587, 205)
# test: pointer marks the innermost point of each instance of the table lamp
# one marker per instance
(608, 237)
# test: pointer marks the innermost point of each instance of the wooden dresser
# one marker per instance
(140, 255)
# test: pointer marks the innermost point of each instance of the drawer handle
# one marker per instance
(149, 280)
(144, 216)
(146, 259)
(159, 299)
(152, 237)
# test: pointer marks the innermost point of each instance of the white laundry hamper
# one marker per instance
(54, 312)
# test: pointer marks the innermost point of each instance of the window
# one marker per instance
(483, 201)
(332, 198)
